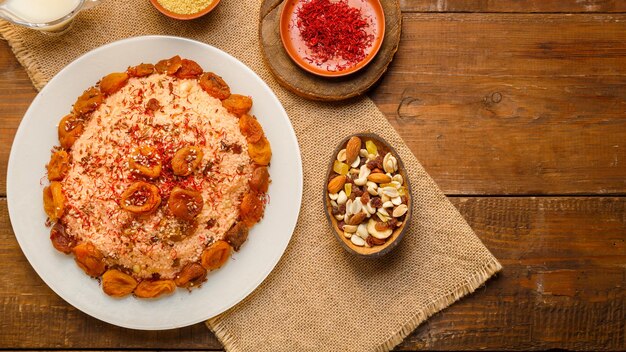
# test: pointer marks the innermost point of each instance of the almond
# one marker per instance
(356, 219)
(352, 149)
(379, 178)
(336, 184)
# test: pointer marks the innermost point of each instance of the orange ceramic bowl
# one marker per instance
(298, 50)
(179, 16)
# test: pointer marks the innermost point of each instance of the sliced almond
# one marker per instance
(352, 149)
(336, 184)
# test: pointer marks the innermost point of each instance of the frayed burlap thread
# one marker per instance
(318, 298)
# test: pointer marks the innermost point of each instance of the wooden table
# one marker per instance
(517, 109)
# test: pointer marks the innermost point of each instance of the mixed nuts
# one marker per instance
(367, 193)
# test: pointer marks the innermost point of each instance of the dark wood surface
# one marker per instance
(517, 110)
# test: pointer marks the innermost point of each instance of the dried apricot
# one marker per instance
(193, 274)
(185, 204)
(152, 289)
(113, 82)
(236, 235)
(70, 128)
(169, 66)
(237, 104)
(141, 198)
(145, 161)
(141, 70)
(186, 160)
(251, 209)
(117, 284)
(251, 128)
(61, 240)
(58, 166)
(88, 101)
(54, 200)
(214, 85)
(215, 255)
(89, 258)
(189, 69)
(260, 152)
(260, 179)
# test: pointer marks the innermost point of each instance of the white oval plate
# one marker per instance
(37, 134)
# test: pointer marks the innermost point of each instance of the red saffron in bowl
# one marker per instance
(334, 30)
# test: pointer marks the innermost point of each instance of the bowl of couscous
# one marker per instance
(184, 9)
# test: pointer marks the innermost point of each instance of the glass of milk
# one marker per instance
(48, 16)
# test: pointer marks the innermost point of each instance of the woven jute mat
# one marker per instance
(318, 297)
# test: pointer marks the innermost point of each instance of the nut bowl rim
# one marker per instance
(399, 233)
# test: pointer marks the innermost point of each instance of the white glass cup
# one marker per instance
(25, 13)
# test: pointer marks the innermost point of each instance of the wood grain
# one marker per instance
(563, 282)
(522, 6)
(16, 94)
(310, 86)
(512, 104)
(562, 287)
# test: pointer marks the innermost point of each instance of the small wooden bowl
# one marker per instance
(179, 16)
(398, 234)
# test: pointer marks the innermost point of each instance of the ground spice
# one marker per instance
(333, 29)
(185, 7)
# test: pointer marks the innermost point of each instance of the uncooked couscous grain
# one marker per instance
(185, 7)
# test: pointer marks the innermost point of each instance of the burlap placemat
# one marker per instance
(318, 297)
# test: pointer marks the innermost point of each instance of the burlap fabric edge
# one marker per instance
(464, 288)
(23, 56)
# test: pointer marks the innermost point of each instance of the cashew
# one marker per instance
(339, 217)
(356, 162)
(363, 153)
(342, 198)
(333, 196)
(388, 204)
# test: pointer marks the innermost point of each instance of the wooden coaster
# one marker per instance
(310, 86)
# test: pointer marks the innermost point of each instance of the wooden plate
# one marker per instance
(179, 16)
(297, 49)
(397, 235)
(311, 86)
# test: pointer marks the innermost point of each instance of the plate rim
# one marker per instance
(20, 135)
